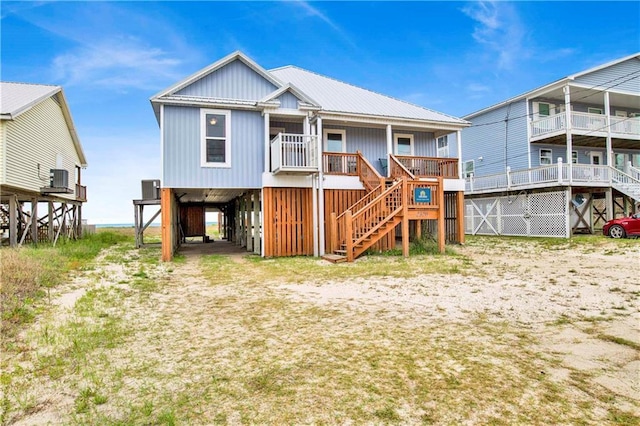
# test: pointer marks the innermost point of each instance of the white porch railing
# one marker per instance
(634, 172)
(596, 175)
(586, 122)
(290, 152)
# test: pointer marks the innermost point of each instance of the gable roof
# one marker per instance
(237, 55)
(553, 85)
(315, 92)
(294, 91)
(17, 98)
(339, 97)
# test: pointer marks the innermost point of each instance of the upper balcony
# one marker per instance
(293, 153)
(587, 124)
(338, 163)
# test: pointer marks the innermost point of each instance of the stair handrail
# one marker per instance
(368, 175)
(398, 170)
(618, 176)
(634, 172)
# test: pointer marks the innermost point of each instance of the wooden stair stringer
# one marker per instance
(376, 236)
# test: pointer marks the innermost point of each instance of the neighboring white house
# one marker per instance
(40, 162)
(559, 159)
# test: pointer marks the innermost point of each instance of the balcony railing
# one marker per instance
(583, 121)
(294, 153)
(81, 192)
(430, 166)
(340, 163)
(553, 174)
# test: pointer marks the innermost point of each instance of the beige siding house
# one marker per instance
(41, 160)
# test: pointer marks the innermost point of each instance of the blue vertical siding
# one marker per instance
(233, 81)
(182, 151)
(371, 142)
(288, 101)
(619, 75)
(500, 143)
(424, 144)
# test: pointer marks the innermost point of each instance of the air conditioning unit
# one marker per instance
(151, 189)
(58, 178)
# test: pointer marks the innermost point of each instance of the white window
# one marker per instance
(403, 144)
(443, 146)
(335, 140)
(546, 156)
(635, 160)
(621, 113)
(216, 138)
(594, 110)
(469, 168)
(574, 157)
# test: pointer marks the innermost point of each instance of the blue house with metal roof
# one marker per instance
(302, 164)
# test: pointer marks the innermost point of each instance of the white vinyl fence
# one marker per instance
(533, 215)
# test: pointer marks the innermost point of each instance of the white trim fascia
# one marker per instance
(72, 130)
(606, 65)
(237, 55)
(209, 104)
(294, 91)
(604, 89)
(227, 138)
(288, 111)
(395, 121)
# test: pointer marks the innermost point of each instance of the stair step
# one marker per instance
(335, 258)
(340, 252)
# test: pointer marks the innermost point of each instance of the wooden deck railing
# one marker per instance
(81, 192)
(397, 170)
(430, 166)
(340, 163)
(369, 176)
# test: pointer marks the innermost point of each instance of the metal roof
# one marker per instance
(16, 98)
(550, 86)
(339, 97)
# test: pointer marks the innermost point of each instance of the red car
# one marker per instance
(623, 227)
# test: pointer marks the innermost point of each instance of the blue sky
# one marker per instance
(454, 57)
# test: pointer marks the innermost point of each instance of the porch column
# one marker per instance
(607, 112)
(389, 148)
(34, 220)
(609, 209)
(267, 144)
(320, 189)
(314, 203)
(306, 126)
(13, 220)
(250, 208)
(459, 139)
(256, 222)
(567, 113)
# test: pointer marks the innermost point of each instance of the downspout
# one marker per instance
(607, 112)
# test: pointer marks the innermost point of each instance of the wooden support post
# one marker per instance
(349, 235)
(166, 207)
(257, 243)
(51, 223)
(610, 209)
(79, 212)
(460, 216)
(13, 221)
(250, 208)
(441, 216)
(333, 229)
(405, 217)
(34, 220)
(418, 229)
(136, 222)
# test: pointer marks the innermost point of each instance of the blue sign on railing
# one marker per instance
(422, 195)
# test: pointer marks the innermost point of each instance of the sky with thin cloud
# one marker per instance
(454, 57)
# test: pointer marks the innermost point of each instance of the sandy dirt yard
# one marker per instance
(510, 332)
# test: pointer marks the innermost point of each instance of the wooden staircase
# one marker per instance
(385, 206)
